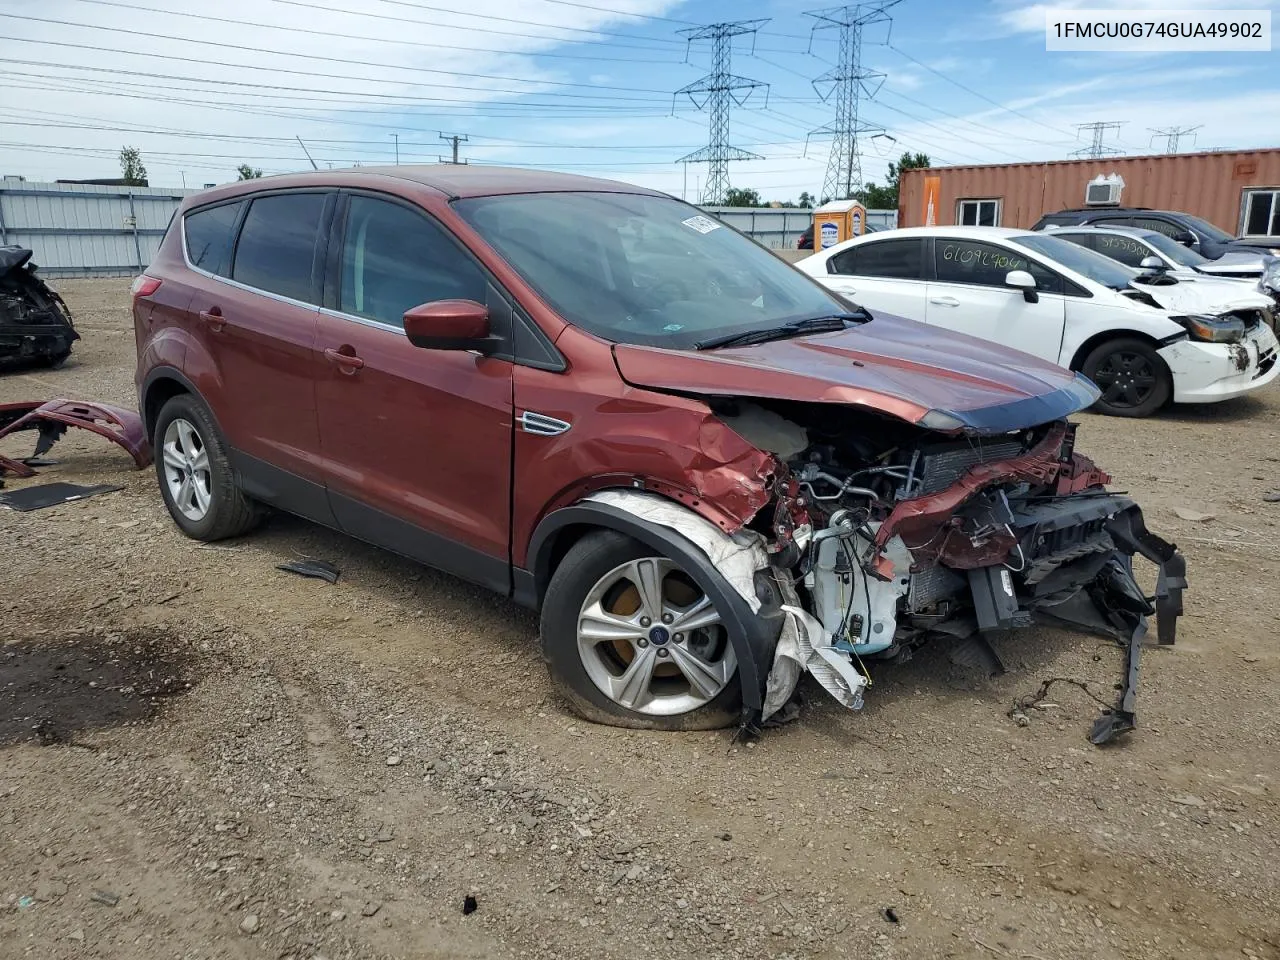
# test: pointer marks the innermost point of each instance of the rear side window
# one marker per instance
(208, 234)
(895, 259)
(276, 249)
(1168, 228)
(1086, 240)
(394, 259)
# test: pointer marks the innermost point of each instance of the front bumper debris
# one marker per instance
(51, 418)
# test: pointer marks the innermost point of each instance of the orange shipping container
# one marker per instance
(1216, 186)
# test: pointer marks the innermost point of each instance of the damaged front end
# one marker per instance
(35, 324)
(888, 535)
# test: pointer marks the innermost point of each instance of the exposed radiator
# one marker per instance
(942, 466)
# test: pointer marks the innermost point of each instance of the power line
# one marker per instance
(1172, 135)
(848, 80)
(1097, 149)
(286, 53)
(352, 36)
(718, 90)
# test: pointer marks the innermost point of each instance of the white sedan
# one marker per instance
(1058, 301)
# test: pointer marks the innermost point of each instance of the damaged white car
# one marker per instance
(1144, 340)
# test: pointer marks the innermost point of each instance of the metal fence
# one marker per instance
(86, 230)
(779, 228)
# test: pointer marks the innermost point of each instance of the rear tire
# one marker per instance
(196, 479)
(599, 573)
(1133, 378)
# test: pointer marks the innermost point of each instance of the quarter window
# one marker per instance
(208, 235)
(971, 261)
(1262, 213)
(896, 259)
(978, 213)
(394, 259)
(276, 249)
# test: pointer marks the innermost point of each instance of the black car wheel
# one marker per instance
(632, 640)
(196, 479)
(1133, 378)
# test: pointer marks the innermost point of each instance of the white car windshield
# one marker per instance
(634, 268)
(1095, 266)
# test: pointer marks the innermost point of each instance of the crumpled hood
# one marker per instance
(921, 374)
(1204, 295)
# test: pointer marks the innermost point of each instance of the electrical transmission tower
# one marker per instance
(1172, 135)
(718, 90)
(1097, 149)
(848, 80)
(455, 139)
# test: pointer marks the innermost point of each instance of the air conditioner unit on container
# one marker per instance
(1103, 191)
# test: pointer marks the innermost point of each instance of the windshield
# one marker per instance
(1207, 229)
(1095, 266)
(642, 269)
(1184, 256)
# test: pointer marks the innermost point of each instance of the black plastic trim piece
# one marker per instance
(282, 489)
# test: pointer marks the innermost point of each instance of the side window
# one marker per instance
(971, 261)
(895, 259)
(1127, 250)
(1262, 213)
(978, 213)
(276, 249)
(394, 258)
(1166, 227)
(1087, 240)
(208, 234)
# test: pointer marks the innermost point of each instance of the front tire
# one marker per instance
(1133, 378)
(632, 641)
(196, 479)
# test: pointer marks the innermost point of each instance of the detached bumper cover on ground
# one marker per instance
(51, 419)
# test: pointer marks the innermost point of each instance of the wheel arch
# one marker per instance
(754, 634)
(161, 385)
(1091, 344)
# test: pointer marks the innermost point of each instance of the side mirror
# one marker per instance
(1154, 264)
(1024, 281)
(450, 325)
(1185, 237)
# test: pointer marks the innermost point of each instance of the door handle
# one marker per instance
(944, 301)
(344, 356)
(213, 318)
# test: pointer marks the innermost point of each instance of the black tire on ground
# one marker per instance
(1133, 378)
(230, 512)
(586, 562)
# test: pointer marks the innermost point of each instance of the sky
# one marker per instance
(586, 87)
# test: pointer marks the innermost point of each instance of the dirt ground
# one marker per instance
(202, 756)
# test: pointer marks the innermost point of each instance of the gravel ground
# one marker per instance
(205, 757)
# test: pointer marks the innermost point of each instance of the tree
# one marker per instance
(875, 197)
(806, 200)
(246, 172)
(131, 169)
(742, 197)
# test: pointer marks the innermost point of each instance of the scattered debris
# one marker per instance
(890, 914)
(1187, 800)
(393, 761)
(51, 495)
(1272, 497)
(726, 836)
(1195, 516)
(317, 569)
(35, 323)
(469, 905)
(24, 902)
(105, 897)
(371, 908)
(51, 419)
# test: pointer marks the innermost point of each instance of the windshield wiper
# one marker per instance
(827, 324)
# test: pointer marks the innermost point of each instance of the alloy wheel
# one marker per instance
(652, 641)
(1126, 378)
(186, 469)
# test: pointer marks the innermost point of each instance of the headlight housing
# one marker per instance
(1213, 329)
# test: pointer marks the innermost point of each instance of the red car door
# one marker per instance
(416, 443)
(259, 333)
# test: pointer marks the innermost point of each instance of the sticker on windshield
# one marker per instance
(701, 224)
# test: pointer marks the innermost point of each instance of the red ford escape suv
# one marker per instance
(709, 473)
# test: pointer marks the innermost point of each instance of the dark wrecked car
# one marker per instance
(709, 473)
(35, 324)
